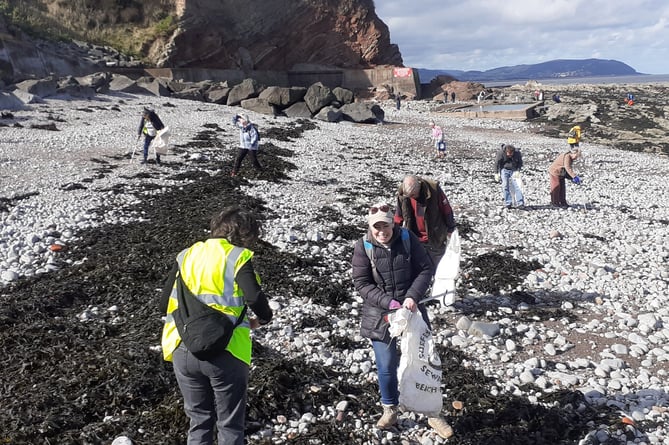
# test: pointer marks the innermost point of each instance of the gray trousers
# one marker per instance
(214, 393)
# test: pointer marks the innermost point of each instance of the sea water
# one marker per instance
(601, 80)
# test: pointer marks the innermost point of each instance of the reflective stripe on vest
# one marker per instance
(209, 269)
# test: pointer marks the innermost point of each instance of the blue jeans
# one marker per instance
(147, 143)
(387, 360)
(214, 393)
(508, 181)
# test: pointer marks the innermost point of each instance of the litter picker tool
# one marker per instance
(134, 149)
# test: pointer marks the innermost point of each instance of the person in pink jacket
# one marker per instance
(438, 139)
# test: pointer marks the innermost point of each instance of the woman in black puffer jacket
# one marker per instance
(401, 277)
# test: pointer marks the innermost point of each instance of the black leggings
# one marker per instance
(242, 154)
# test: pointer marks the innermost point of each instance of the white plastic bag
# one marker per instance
(419, 372)
(443, 288)
(161, 141)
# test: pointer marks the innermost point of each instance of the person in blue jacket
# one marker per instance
(248, 142)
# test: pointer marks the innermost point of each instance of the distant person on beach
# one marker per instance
(556, 98)
(438, 139)
(630, 99)
(248, 142)
(390, 270)
(219, 273)
(559, 170)
(574, 136)
(508, 163)
(398, 101)
(149, 125)
(423, 208)
(453, 96)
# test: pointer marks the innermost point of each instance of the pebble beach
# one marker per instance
(603, 261)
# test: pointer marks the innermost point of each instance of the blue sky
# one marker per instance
(486, 34)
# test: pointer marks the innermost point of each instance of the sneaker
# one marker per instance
(439, 425)
(142, 161)
(389, 417)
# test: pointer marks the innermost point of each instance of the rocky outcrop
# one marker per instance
(277, 35)
(248, 35)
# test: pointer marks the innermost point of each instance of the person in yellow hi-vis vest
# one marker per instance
(219, 273)
(574, 136)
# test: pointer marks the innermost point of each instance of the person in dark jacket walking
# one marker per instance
(397, 278)
(423, 208)
(507, 170)
(149, 125)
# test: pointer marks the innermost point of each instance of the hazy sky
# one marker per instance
(485, 34)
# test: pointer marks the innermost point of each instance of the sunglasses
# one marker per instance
(374, 210)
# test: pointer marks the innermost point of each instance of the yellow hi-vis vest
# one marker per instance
(208, 269)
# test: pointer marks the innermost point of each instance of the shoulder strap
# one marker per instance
(406, 241)
(242, 314)
(369, 250)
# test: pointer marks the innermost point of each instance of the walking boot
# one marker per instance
(388, 418)
(440, 426)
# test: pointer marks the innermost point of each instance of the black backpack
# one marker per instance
(205, 331)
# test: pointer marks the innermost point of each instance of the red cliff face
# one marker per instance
(277, 35)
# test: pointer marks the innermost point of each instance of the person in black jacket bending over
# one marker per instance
(149, 125)
(398, 278)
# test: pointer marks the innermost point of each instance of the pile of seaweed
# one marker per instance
(78, 347)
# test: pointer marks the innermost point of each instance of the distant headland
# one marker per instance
(554, 69)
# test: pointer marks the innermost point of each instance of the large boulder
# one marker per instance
(156, 86)
(193, 92)
(9, 101)
(329, 114)
(248, 89)
(298, 109)
(318, 96)
(125, 84)
(39, 87)
(343, 95)
(283, 97)
(76, 91)
(363, 112)
(217, 94)
(98, 81)
(259, 105)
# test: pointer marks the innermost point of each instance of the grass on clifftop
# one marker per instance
(128, 29)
